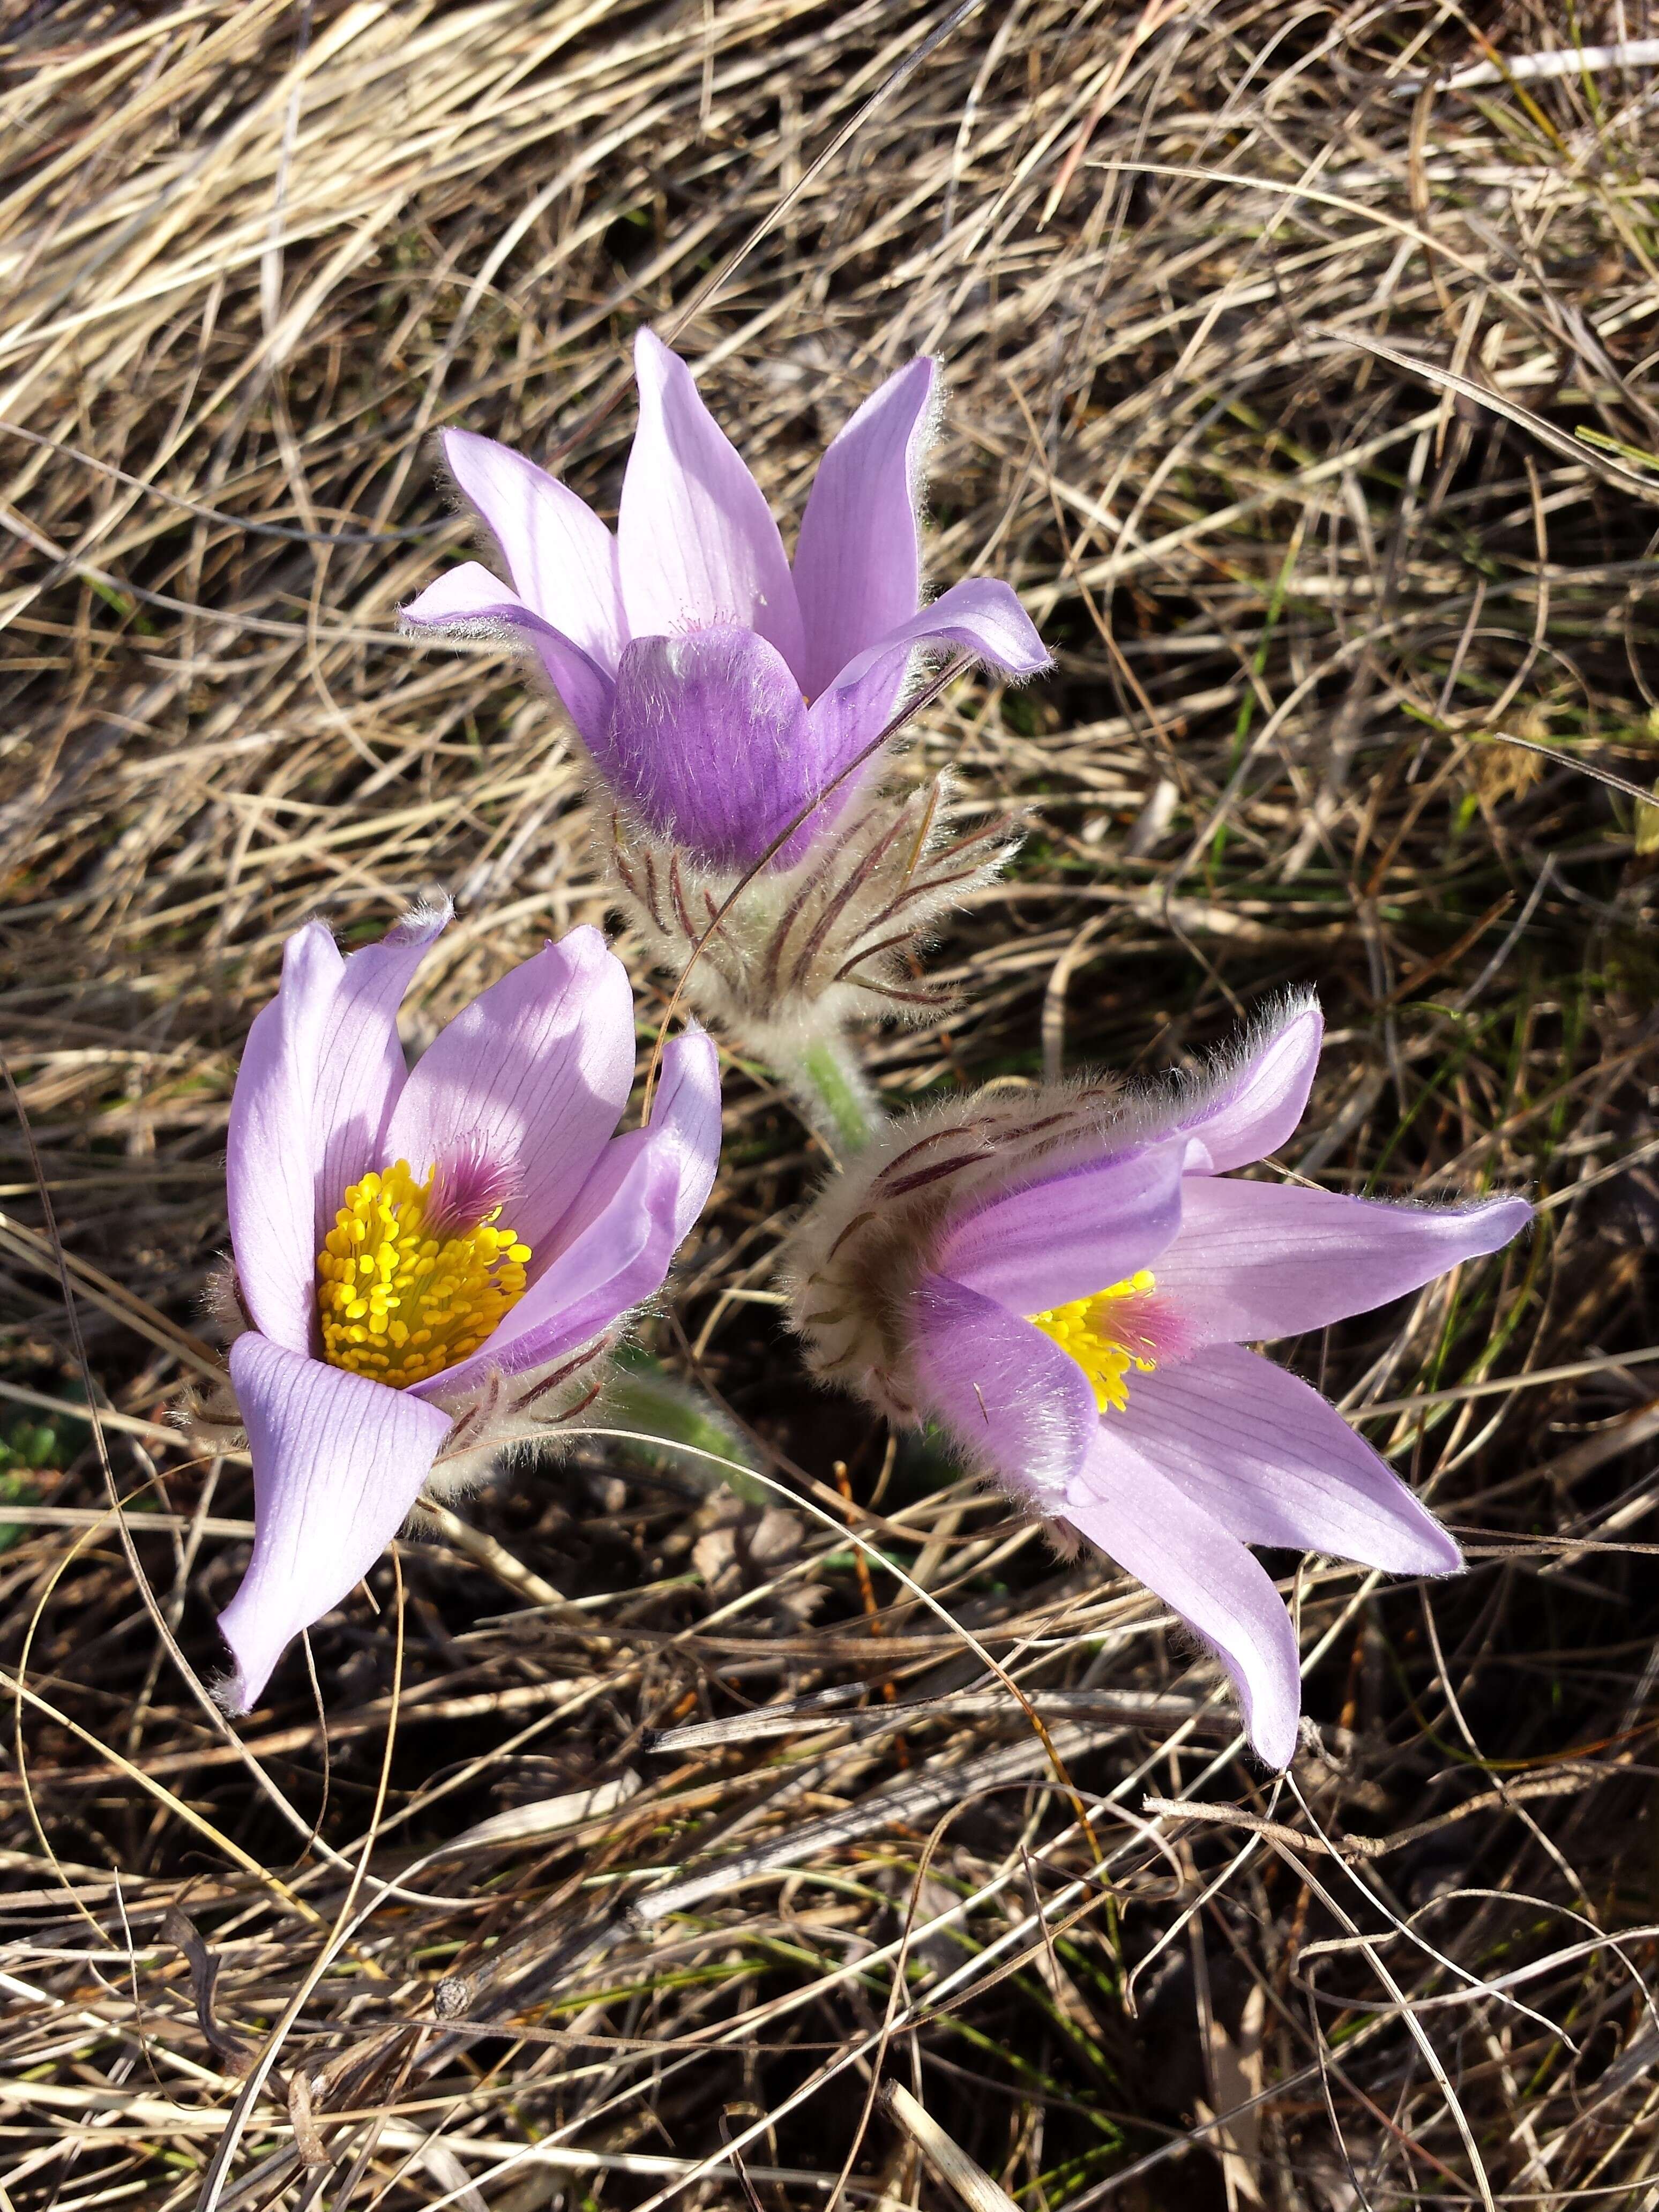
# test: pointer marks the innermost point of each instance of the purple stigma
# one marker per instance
(467, 1191)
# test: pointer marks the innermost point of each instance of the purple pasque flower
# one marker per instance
(429, 1262)
(1067, 1284)
(715, 689)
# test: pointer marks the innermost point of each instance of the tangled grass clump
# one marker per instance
(645, 1828)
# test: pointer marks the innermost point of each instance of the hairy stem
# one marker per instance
(833, 1094)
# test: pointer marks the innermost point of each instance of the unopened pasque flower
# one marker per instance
(715, 689)
(430, 1263)
(718, 691)
(1066, 1282)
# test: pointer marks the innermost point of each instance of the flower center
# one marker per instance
(1105, 1337)
(404, 1292)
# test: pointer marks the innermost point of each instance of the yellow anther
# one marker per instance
(1100, 1333)
(400, 1303)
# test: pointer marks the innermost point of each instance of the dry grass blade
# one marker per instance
(953, 2164)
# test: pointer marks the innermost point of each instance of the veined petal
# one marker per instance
(470, 602)
(683, 1132)
(1270, 1459)
(857, 569)
(338, 1461)
(1012, 1399)
(1255, 1108)
(1260, 1259)
(561, 558)
(710, 740)
(699, 546)
(1124, 1502)
(1071, 1235)
(614, 1248)
(619, 1258)
(361, 1068)
(531, 1078)
(273, 1149)
(979, 615)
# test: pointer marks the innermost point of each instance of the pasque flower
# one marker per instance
(430, 1263)
(716, 691)
(1066, 1284)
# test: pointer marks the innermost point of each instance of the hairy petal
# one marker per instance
(561, 558)
(338, 1461)
(1257, 1107)
(699, 546)
(531, 1078)
(1071, 1235)
(273, 1150)
(470, 602)
(710, 740)
(1123, 1501)
(1258, 1260)
(1273, 1463)
(858, 567)
(1012, 1399)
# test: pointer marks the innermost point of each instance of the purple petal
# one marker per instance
(1274, 1464)
(699, 547)
(528, 1081)
(980, 616)
(711, 742)
(361, 1069)
(1258, 1260)
(338, 1461)
(614, 1246)
(1123, 1501)
(561, 558)
(683, 1131)
(1071, 1235)
(469, 602)
(1012, 1399)
(272, 1148)
(1256, 1107)
(858, 567)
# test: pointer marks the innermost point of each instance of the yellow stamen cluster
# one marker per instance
(400, 1301)
(1100, 1334)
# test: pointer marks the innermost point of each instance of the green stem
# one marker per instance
(833, 1094)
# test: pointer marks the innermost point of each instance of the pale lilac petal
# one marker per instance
(272, 1149)
(1256, 1107)
(982, 617)
(618, 1259)
(684, 1130)
(361, 1069)
(529, 1080)
(1273, 1463)
(858, 565)
(338, 1461)
(1070, 1235)
(699, 546)
(561, 558)
(1123, 1501)
(1013, 1400)
(1261, 1260)
(469, 602)
(614, 1248)
(710, 741)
